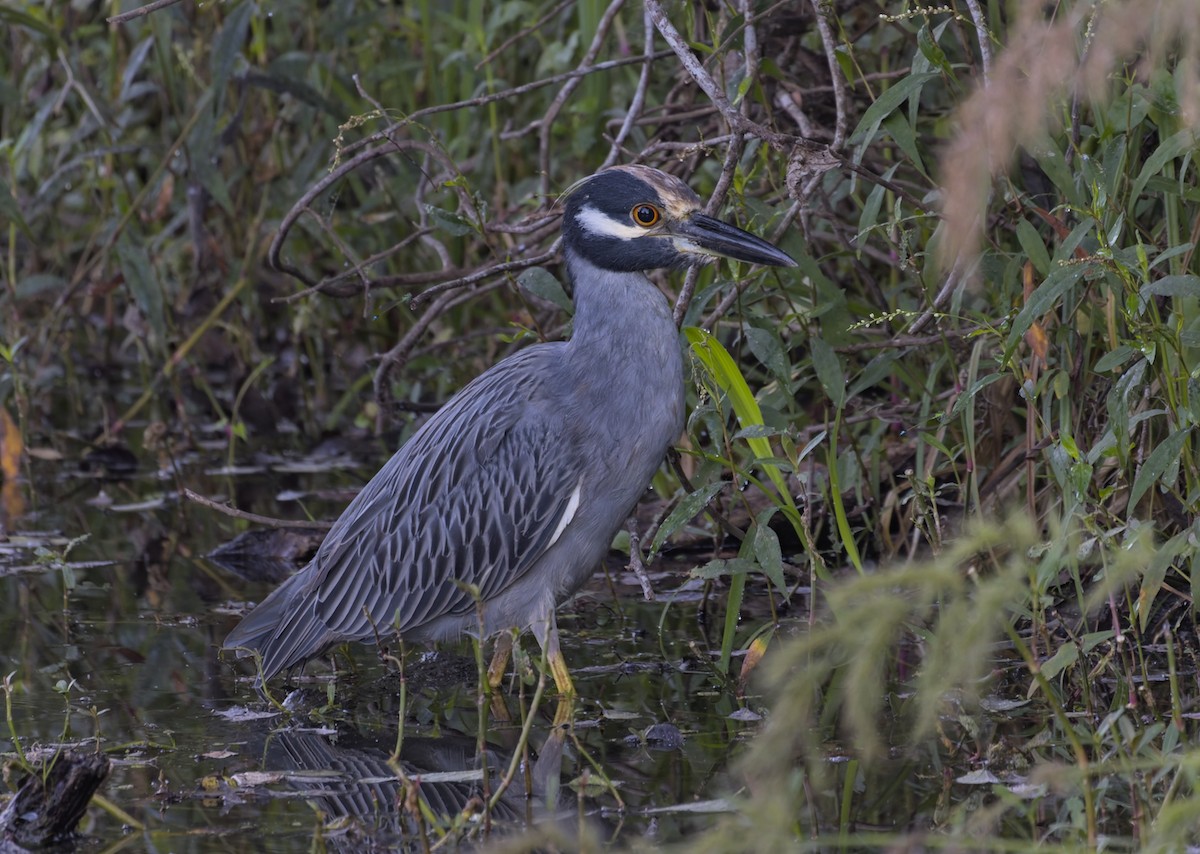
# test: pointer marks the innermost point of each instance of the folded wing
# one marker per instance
(473, 499)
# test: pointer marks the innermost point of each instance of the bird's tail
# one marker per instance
(272, 631)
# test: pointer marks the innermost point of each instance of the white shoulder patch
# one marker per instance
(568, 513)
(594, 221)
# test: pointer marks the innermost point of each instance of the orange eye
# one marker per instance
(645, 215)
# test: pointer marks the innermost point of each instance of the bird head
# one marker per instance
(634, 218)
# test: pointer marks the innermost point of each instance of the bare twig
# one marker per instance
(892, 186)
(564, 93)
(727, 301)
(636, 565)
(506, 94)
(269, 521)
(732, 154)
(984, 37)
(686, 293)
(709, 86)
(954, 280)
(342, 286)
(302, 204)
(406, 346)
(829, 43)
(395, 356)
(639, 94)
(903, 342)
(141, 11)
(487, 272)
(339, 286)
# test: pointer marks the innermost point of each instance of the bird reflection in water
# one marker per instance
(439, 790)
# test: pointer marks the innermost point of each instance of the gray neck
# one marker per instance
(623, 364)
(621, 319)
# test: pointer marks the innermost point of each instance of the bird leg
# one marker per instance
(546, 632)
(564, 713)
(558, 669)
(499, 663)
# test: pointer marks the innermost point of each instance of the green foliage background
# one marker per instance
(995, 312)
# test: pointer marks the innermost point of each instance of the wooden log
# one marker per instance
(50, 803)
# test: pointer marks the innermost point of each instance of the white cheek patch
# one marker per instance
(594, 221)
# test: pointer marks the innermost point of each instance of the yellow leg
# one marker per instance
(495, 671)
(564, 712)
(558, 669)
(499, 708)
(546, 632)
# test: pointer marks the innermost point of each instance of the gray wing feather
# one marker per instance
(474, 497)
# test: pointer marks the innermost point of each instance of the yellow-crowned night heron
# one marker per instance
(518, 484)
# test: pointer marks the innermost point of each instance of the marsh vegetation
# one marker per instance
(923, 568)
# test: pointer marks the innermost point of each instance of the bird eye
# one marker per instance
(645, 215)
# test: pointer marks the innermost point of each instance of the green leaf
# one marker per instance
(1033, 246)
(684, 511)
(900, 129)
(1173, 286)
(144, 285)
(767, 551)
(540, 283)
(968, 396)
(876, 371)
(1156, 572)
(872, 206)
(450, 222)
(845, 62)
(133, 67)
(835, 497)
(227, 47)
(883, 107)
(757, 431)
(742, 89)
(722, 567)
(1060, 280)
(1065, 251)
(40, 284)
(738, 569)
(1118, 403)
(829, 371)
(768, 349)
(10, 210)
(1171, 147)
(280, 76)
(1063, 177)
(1167, 254)
(812, 443)
(932, 51)
(205, 145)
(1114, 358)
(729, 380)
(1065, 657)
(720, 365)
(17, 18)
(1158, 462)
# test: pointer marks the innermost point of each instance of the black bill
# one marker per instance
(707, 236)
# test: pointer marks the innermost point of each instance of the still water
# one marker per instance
(113, 615)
